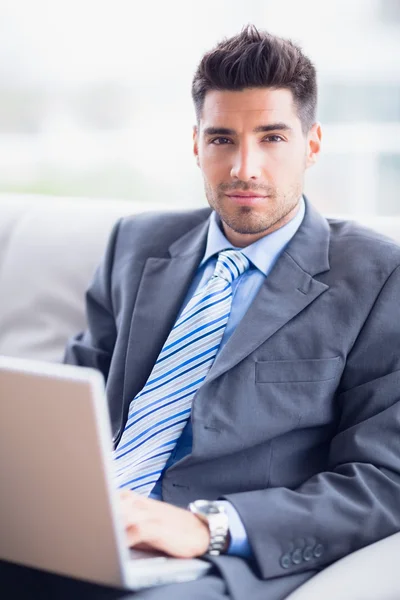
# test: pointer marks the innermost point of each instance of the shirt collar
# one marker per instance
(261, 253)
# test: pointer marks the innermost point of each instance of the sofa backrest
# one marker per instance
(49, 249)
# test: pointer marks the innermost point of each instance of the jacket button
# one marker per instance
(318, 550)
(286, 561)
(307, 553)
(297, 557)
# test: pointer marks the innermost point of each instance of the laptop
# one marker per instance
(58, 500)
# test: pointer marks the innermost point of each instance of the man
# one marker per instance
(251, 352)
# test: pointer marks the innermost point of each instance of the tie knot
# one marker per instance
(231, 264)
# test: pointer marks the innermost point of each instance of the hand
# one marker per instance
(154, 525)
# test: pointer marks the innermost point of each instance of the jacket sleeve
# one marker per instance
(356, 501)
(94, 347)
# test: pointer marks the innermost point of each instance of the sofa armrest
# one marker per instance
(371, 573)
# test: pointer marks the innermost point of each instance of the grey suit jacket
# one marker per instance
(298, 421)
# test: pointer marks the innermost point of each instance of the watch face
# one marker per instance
(213, 509)
(207, 507)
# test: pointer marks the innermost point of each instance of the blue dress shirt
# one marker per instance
(262, 255)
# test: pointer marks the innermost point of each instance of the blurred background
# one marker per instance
(95, 95)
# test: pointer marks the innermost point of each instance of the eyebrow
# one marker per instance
(259, 129)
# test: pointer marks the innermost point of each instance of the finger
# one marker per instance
(144, 546)
(132, 537)
(133, 501)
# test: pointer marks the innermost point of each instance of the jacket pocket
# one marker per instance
(286, 371)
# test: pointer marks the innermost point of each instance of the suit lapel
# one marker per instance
(285, 293)
(161, 292)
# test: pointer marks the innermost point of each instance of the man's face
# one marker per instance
(253, 154)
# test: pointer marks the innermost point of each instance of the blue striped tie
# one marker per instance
(160, 411)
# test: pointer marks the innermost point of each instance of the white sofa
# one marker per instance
(49, 249)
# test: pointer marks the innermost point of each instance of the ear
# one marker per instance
(196, 144)
(314, 137)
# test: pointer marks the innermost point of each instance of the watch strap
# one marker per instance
(214, 515)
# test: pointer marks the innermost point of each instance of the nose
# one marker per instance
(246, 163)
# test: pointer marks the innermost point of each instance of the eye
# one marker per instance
(273, 138)
(220, 141)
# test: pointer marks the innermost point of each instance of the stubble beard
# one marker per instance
(248, 219)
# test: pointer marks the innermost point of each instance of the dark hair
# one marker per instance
(257, 59)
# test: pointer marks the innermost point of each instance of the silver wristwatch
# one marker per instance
(214, 515)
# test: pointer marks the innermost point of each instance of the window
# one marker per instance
(95, 97)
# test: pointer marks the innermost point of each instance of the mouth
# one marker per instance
(246, 198)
